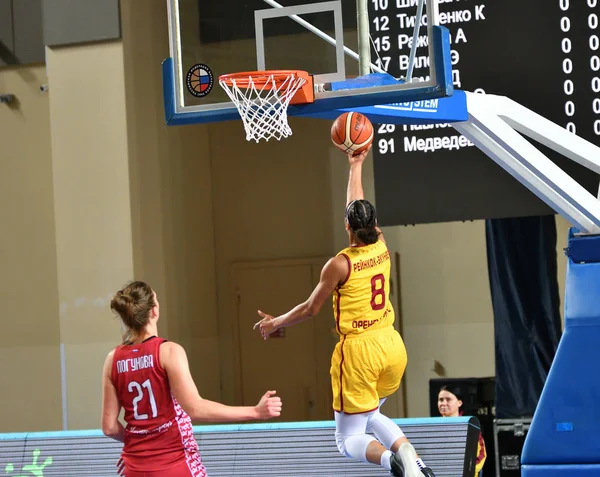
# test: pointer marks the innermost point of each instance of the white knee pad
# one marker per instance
(354, 446)
(386, 430)
(350, 434)
(340, 440)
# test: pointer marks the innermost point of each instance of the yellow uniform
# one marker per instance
(481, 455)
(370, 358)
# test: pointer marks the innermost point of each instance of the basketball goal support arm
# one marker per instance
(490, 128)
(546, 132)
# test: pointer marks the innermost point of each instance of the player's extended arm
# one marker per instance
(174, 360)
(355, 188)
(111, 427)
(334, 272)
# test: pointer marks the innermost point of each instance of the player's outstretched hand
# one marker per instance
(359, 157)
(266, 326)
(269, 406)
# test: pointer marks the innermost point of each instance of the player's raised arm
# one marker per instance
(355, 188)
(174, 361)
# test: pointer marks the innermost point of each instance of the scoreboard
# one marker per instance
(544, 54)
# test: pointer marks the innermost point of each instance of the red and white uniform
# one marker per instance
(159, 439)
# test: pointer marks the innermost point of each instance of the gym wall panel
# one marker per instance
(90, 172)
(6, 33)
(28, 28)
(29, 339)
(80, 21)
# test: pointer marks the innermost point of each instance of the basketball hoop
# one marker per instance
(262, 99)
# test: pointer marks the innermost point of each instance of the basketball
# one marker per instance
(352, 133)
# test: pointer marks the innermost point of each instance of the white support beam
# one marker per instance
(546, 132)
(527, 164)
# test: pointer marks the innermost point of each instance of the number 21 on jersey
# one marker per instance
(135, 387)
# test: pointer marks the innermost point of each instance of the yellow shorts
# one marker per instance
(366, 368)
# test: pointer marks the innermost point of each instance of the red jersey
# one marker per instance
(159, 433)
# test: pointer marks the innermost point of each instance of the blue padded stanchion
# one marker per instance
(564, 437)
(573, 470)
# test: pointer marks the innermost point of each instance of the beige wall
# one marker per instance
(103, 191)
(271, 201)
(30, 392)
(446, 304)
(91, 211)
(171, 199)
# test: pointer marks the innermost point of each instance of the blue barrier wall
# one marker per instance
(448, 445)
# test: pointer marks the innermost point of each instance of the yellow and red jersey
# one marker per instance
(362, 302)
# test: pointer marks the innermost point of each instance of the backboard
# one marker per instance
(334, 41)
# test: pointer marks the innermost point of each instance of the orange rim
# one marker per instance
(261, 78)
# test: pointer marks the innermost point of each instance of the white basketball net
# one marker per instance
(264, 109)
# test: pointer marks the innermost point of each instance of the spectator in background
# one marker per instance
(449, 404)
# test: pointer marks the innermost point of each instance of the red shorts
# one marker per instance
(184, 469)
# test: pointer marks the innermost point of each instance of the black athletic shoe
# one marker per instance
(427, 472)
(397, 466)
(404, 462)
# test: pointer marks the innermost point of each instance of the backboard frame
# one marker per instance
(334, 6)
(439, 85)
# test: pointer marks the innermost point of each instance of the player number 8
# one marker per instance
(378, 290)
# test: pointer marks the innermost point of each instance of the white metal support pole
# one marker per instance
(415, 42)
(545, 131)
(433, 19)
(364, 46)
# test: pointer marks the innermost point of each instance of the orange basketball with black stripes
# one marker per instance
(352, 132)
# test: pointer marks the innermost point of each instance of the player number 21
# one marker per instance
(136, 387)
(378, 290)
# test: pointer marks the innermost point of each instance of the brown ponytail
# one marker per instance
(133, 304)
